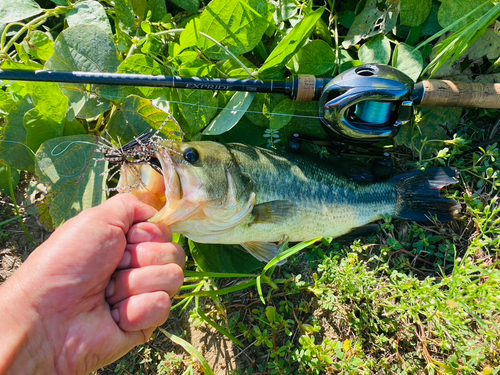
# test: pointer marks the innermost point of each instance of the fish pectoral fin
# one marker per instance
(273, 212)
(264, 251)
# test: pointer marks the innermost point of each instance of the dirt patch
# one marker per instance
(15, 246)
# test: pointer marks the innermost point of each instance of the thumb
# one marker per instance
(123, 210)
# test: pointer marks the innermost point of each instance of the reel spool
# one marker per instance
(366, 104)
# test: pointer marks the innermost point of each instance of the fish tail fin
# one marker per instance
(419, 195)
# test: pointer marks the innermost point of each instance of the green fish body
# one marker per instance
(240, 194)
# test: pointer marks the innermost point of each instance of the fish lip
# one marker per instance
(169, 173)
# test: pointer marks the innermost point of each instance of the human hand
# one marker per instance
(96, 288)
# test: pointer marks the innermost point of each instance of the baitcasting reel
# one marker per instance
(366, 104)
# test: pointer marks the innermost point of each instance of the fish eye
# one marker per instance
(191, 155)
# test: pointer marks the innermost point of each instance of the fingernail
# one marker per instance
(116, 315)
(141, 235)
(125, 262)
(110, 289)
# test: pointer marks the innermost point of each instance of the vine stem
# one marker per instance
(34, 23)
(16, 207)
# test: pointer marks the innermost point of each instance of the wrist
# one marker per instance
(24, 348)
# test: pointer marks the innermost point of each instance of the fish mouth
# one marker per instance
(174, 206)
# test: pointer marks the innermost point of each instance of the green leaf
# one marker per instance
(408, 60)
(139, 8)
(68, 166)
(291, 43)
(40, 127)
(371, 21)
(237, 24)
(376, 50)
(244, 132)
(158, 10)
(286, 9)
(48, 118)
(4, 179)
(431, 125)
(205, 367)
(89, 12)
(189, 5)
(137, 116)
(84, 48)
(452, 10)
(22, 9)
(198, 108)
(190, 34)
(74, 127)
(125, 13)
(13, 149)
(39, 45)
(231, 114)
(415, 12)
(487, 45)
(316, 57)
(223, 258)
(282, 114)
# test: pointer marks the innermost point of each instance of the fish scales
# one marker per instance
(240, 194)
(327, 203)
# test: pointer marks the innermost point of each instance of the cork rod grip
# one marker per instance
(443, 93)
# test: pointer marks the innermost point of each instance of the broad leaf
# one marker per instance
(48, 118)
(371, 21)
(137, 116)
(189, 5)
(237, 24)
(40, 45)
(18, 11)
(13, 149)
(415, 12)
(432, 125)
(231, 114)
(285, 10)
(198, 108)
(452, 10)
(68, 166)
(190, 34)
(487, 45)
(223, 258)
(244, 132)
(376, 50)
(125, 13)
(158, 10)
(408, 60)
(89, 12)
(291, 43)
(316, 57)
(282, 114)
(84, 48)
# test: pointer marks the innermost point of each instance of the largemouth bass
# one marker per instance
(239, 194)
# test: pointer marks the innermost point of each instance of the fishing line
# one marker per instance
(55, 153)
(98, 95)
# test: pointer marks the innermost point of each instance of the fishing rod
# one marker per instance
(365, 104)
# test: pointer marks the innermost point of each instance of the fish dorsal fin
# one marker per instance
(273, 212)
(263, 251)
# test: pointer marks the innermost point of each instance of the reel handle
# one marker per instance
(444, 93)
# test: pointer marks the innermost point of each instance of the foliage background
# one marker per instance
(412, 298)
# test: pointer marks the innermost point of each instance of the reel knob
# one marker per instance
(366, 104)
